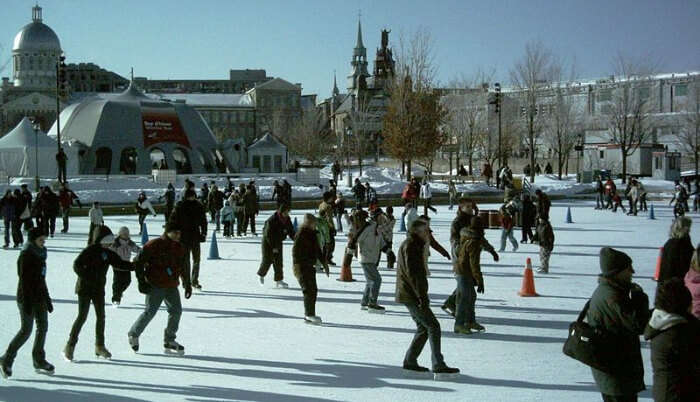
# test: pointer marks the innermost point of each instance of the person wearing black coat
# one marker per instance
(25, 208)
(678, 251)
(17, 236)
(50, 207)
(277, 227)
(7, 207)
(91, 267)
(675, 344)
(527, 215)
(305, 253)
(34, 304)
(190, 216)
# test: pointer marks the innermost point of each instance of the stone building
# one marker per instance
(89, 77)
(239, 81)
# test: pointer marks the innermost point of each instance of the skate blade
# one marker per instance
(44, 372)
(376, 311)
(318, 324)
(98, 357)
(174, 352)
(445, 376)
(416, 374)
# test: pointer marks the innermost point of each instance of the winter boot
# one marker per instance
(281, 285)
(374, 308)
(390, 260)
(414, 370)
(102, 352)
(463, 329)
(475, 326)
(134, 343)
(262, 280)
(444, 372)
(312, 319)
(5, 369)
(173, 348)
(68, 352)
(449, 310)
(44, 367)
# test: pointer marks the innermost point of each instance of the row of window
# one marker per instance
(226, 116)
(129, 160)
(605, 95)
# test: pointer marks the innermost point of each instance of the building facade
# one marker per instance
(239, 81)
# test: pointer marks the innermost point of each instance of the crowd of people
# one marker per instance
(173, 259)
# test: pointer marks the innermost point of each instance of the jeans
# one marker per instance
(65, 213)
(307, 282)
(619, 398)
(452, 201)
(17, 237)
(526, 233)
(196, 251)
(227, 228)
(8, 230)
(98, 302)
(599, 203)
(142, 219)
(249, 218)
(274, 259)
(42, 326)
(240, 217)
(466, 299)
(156, 297)
(373, 283)
(427, 206)
(120, 282)
(544, 258)
(508, 234)
(216, 218)
(427, 328)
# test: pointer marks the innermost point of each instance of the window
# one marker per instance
(657, 162)
(267, 164)
(103, 160)
(158, 159)
(128, 160)
(182, 161)
(602, 154)
(643, 93)
(680, 90)
(278, 163)
(256, 162)
(672, 163)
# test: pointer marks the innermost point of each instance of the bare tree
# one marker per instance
(363, 125)
(530, 75)
(689, 134)
(309, 138)
(629, 120)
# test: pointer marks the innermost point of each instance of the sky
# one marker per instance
(306, 41)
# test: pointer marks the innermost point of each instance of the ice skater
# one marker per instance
(123, 246)
(191, 219)
(305, 253)
(507, 223)
(143, 208)
(276, 229)
(546, 235)
(370, 240)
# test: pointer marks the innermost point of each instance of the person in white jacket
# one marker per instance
(123, 246)
(143, 207)
(370, 240)
(427, 195)
(409, 217)
(96, 220)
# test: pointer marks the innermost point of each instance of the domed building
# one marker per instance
(130, 133)
(32, 89)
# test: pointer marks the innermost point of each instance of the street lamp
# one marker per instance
(36, 126)
(498, 112)
(348, 134)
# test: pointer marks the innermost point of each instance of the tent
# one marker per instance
(18, 150)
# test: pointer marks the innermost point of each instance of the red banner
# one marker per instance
(161, 124)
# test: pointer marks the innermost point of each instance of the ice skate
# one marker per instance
(5, 370)
(415, 371)
(281, 285)
(448, 310)
(44, 368)
(68, 352)
(262, 280)
(463, 330)
(445, 373)
(116, 303)
(542, 271)
(102, 352)
(134, 343)
(173, 348)
(313, 320)
(196, 285)
(475, 326)
(363, 307)
(375, 309)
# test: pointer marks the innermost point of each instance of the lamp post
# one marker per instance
(579, 154)
(35, 125)
(348, 133)
(498, 112)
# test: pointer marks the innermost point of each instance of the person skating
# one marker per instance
(433, 243)
(339, 211)
(386, 221)
(487, 173)
(277, 228)
(325, 212)
(468, 275)
(287, 192)
(305, 253)
(642, 196)
(34, 304)
(617, 202)
(162, 262)
(370, 194)
(412, 291)
(66, 197)
(619, 307)
(277, 193)
(409, 216)
(358, 190)
(369, 243)
(675, 344)
(410, 193)
(545, 234)
(527, 219)
(507, 224)
(677, 251)
(250, 209)
(17, 236)
(215, 202)
(50, 208)
(427, 195)
(204, 195)
(143, 208)
(26, 208)
(610, 191)
(7, 206)
(91, 266)
(452, 194)
(96, 220)
(239, 208)
(169, 196)
(123, 246)
(599, 191)
(228, 218)
(543, 204)
(190, 218)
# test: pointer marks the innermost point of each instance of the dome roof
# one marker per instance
(36, 36)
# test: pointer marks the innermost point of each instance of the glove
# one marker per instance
(188, 291)
(144, 287)
(495, 256)
(49, 306)
(480, 287)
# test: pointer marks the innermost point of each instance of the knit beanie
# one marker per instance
(34, 233)
(613, 261)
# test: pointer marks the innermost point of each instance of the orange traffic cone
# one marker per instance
(345, 271)
(658, 264)
(528, 287)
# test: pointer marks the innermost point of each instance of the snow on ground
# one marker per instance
(245, 342)
(125, 189)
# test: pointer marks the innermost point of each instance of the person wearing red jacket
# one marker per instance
(164, 263)
(507, 224)
(66, 197)
(610, 191)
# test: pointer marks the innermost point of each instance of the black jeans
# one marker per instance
(98, 302)
(120, 282)
(527, 233)
(427, 205)
(42, 326)
(428, 328)
(65, 214)
(17, 237)
(168, 211)
(239, 223)
(249, 218)
(274, 259)
(619, 398)
(195, 251)
(307, 282)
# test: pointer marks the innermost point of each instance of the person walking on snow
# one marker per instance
(96, 220)
(190, 218)
(143, 208)
(305, 253)
(507, 223)
(91, 267)
(34, 304)
(162, 266)
(277, 227)
(545, 234)
(412, 292)
(427, 195)
(468, 275)
(123, 246)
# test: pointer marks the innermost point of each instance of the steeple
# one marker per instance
(36, 13)
(358, 74)
(336, 92)
(359, 44)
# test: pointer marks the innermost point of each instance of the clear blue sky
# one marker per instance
(304, 41)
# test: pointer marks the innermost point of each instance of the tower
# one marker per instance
(383, 62)
(357, 80)
(35, 51)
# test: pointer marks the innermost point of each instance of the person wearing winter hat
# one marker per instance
(123, 246)
(160, 267)
(620, 307)
(675, 344)
(91, 267)
(34, 304)
(305, 253)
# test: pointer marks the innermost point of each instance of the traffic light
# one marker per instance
(497, 101)
(61, 82)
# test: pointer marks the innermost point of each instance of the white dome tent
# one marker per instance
(18, 150)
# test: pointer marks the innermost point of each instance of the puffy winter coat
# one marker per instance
(369, 243)
(610, 187)
(675, 356)
(411, 279)
(227, 213)
(528, 213)
(325, 210)
(124, 248)
(305, 251)
(250, 202)
(31, 270)
(92, 264)
(411, 216)
(164, 262)
(192, 219)
(613, 309)
(8, 208)
(359, 191)
(692, 282)
(425, 192)
(276, 229)
(216, 199)
(469, 261)
(675, 259)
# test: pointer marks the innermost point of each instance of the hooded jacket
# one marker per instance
(675, 356)
(370, 242)
(276, 229)
(469, 262)
(692, 282)
(411, 272)
(92, 263)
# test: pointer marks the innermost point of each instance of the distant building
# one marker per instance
(89, 77)
(239, 82)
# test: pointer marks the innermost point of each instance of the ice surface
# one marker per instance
(245, 342)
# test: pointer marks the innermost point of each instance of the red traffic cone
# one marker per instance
(528, 287)
(658, 264)
(345, 271)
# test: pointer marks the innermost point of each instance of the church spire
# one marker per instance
(336, 92)
(359, 44)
